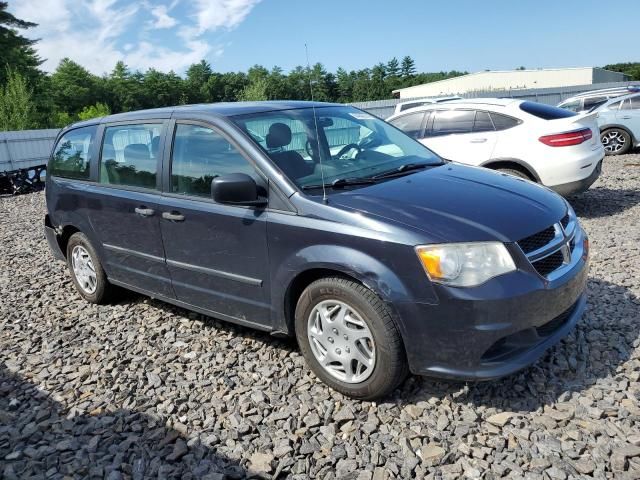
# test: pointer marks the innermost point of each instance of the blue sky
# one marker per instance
(236, 34)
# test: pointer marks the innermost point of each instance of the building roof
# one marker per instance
(490, 72)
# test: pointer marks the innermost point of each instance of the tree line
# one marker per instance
(31, 98)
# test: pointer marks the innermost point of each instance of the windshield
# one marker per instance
(350, 143)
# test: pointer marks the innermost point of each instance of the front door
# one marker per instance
(217, 254)
(629, 115)
(123, 207)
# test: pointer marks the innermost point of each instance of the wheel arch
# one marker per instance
(513, 163)
(312, 265)
(609, 126)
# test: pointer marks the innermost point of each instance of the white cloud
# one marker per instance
(215, 14)
(162, 19)
(90, 31)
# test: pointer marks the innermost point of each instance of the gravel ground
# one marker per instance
(142, 389)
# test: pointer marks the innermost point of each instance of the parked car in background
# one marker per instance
(619, 122)
(587, 101)
(379, 258)
(544, 144)
(402, 106)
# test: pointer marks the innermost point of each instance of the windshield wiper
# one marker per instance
(401, 170)
(341, 182)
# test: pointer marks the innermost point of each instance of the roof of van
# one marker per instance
(222, 109)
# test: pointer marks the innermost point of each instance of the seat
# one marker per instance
(155, 146)
(289, 161)
(139, 167)
(108, 164)
(135, 152)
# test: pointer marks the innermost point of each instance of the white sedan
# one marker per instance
(545, 144)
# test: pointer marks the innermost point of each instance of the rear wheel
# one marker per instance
(515, 173)
(349, 338)
(86, 271)
(615, 141)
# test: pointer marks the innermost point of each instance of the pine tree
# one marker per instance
(393, 67)
(408, 67)
(16, 51)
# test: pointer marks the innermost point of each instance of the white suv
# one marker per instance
(545, 144)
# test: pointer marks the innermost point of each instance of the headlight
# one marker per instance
(465, 264)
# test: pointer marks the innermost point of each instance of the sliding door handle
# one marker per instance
(173, 216)
(144, 211)
(478, 140)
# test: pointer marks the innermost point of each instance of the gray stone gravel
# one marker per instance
(141, 389)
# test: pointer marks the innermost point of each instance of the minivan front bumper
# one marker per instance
(494, 329)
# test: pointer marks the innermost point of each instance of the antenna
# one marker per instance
(315, 120)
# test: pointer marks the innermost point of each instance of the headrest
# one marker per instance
(136, 151)
(155, 145)
(108, 152)
(279, 135)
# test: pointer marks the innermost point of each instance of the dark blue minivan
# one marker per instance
(320, 221)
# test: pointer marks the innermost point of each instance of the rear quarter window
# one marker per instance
(72, 154)
(545, 112)
(503, 122)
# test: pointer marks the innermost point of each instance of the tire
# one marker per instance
(388, 367)
(81, 252)
(515, 173)
(616, 141)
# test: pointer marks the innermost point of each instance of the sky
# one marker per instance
(233, 35)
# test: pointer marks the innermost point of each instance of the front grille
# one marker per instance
(553, 325)
(537, 240)
(546, 265)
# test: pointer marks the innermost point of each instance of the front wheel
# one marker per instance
(615, 141)
(349, 338)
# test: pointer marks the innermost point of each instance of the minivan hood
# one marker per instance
(458, 203)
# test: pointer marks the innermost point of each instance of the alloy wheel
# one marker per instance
(341, 341)
(613, 141)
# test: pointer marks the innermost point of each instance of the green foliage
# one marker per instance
(630, 68)
(73, 93)
(94, 111)
(255, 91)
(16, 103)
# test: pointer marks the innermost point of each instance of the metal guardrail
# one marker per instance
(23, 159)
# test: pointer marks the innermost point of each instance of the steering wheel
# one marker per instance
(348, 147)
(309, 149)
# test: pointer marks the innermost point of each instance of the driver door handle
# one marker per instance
(173, 216)
(478, 140)
(626, 117)
(144, 211)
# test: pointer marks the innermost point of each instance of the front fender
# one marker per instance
(370, 271)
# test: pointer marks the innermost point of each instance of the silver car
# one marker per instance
(587, 101)
(619, 122)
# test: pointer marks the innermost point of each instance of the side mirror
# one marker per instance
(236, 189)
